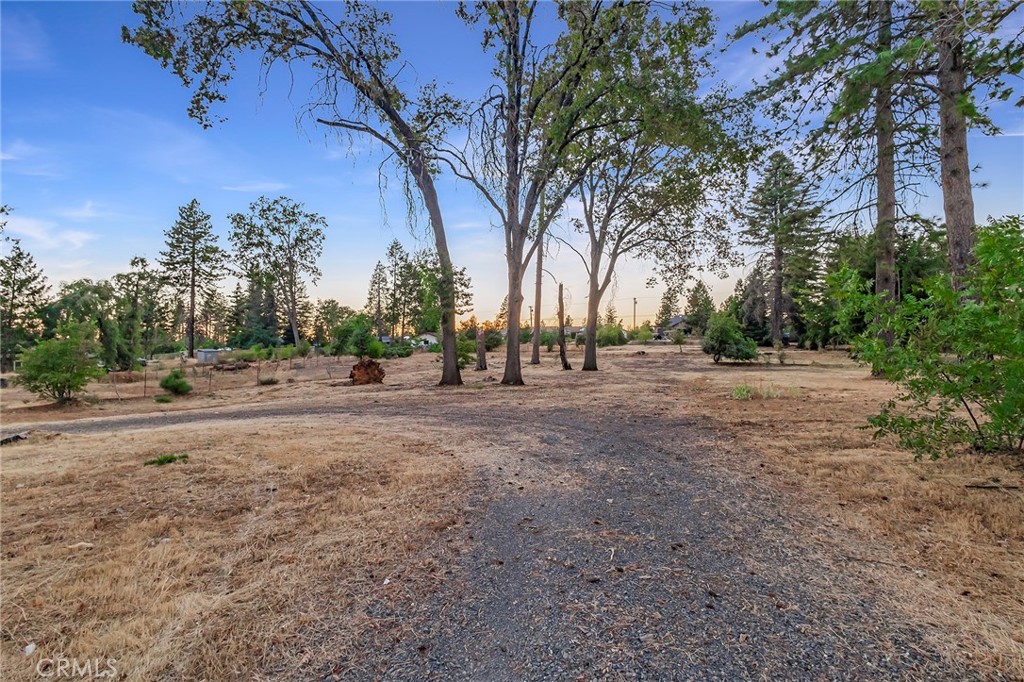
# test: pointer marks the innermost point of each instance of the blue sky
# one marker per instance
(98, 153)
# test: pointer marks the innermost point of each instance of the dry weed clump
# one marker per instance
(225, 566)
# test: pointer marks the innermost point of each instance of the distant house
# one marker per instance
(678, 323)
(208, 356)
(426, 339)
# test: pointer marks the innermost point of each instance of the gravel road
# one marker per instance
(618, 549)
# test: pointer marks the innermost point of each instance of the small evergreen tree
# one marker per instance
(699, 307)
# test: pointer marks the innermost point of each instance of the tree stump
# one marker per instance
(366, 372)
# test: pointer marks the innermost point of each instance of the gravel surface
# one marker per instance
(623, 554)
(616, 549)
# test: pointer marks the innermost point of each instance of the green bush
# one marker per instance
(548, 340)
(465, 349)
(163, 399)
(397, 350)
(61, 367)
(958, 356)
(610, 335)
(268, 381)
(303, 349)
(285, 352)
(643, 334)
(723, 338)
(434, 348)
(175, 383)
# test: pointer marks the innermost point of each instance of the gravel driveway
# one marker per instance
(617, 548)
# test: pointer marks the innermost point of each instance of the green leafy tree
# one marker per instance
(699, 307)
(279, 237)
(360, 88)
(328, 314)
(192, 261)
(61, 367)
(140, 307)
(959, 354)
(426, 315)
(592, 69)
(724, 339)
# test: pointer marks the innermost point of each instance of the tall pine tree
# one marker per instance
(193, 262)
(782, 222)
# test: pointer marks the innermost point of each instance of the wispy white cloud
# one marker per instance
(23, 158)
(24, 45)
(256, 187)
(87, 211)
(47, 234)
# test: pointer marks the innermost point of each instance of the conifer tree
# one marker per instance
(783, 222)
(193, 263)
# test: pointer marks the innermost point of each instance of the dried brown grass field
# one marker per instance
(260, 553)
(257, 554)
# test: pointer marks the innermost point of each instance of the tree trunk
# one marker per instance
(293, 310)
(481, 349)
(513, 363)
(561, 330)
(590, 349)
(777, 294)
(535, 358)
(957, 195)
(885, 176)
(191, 322)
(450, 374)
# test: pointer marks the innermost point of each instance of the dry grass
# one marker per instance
(948, 555)
(957, 553)
(257, 554)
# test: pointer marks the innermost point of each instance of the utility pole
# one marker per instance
(634, 312)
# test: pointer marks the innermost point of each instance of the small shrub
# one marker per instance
(958, 358)
(434, 348)
(163, 399)
(304, 349)
(165, 459)
(268, 381)
(679, 338)
(581, 339)
(398, 350)
(175, 383)
(723, 338)
(61, 367)
(466, 351)
(742, 392)
(610, 335)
